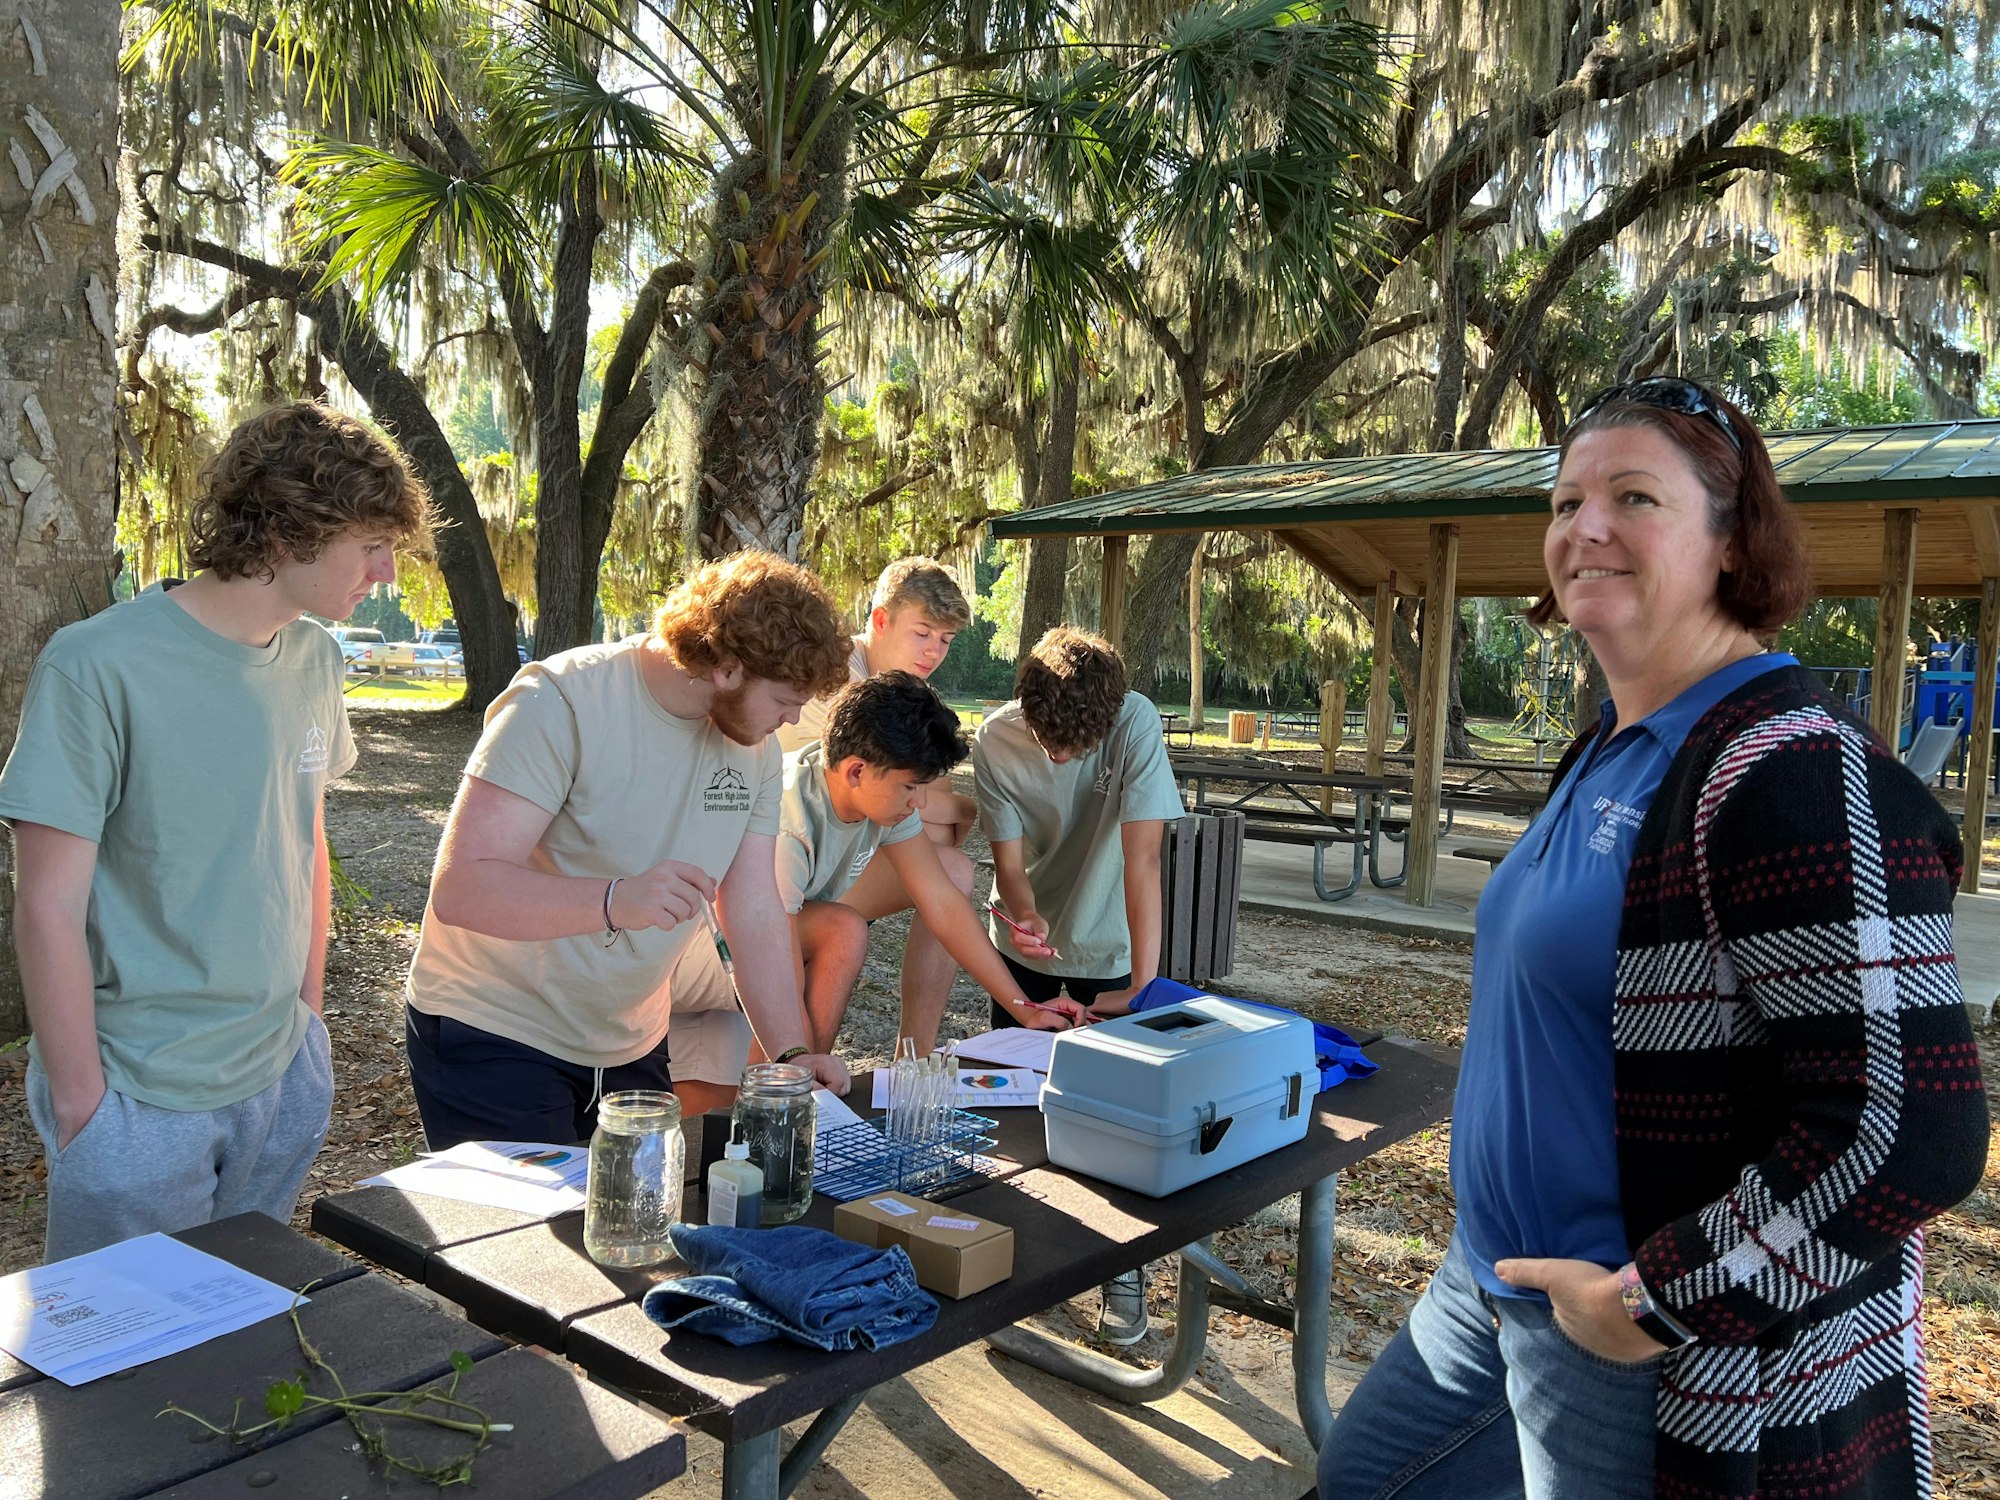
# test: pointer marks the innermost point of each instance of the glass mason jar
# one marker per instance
(638, 1159)
(774, 1117)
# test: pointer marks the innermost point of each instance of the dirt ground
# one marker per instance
(1395, 1212)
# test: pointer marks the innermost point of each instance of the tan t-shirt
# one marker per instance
(811, 728)
(627, 785)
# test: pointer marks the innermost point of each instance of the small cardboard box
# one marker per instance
(954, 1254)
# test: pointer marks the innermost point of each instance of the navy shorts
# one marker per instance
(472, 1085)
(1039, 986)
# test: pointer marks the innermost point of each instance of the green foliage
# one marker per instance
(1814, 388)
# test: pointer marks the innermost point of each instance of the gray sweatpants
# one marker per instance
(135, 1167)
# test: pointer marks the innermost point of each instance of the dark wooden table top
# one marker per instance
(107, 1439)
(532, 1279)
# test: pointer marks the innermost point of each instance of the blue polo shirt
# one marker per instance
(1534, 1162)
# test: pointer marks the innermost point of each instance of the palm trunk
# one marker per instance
(57, 444)
(755, 343)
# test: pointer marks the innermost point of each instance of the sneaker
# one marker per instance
(1122, 1319)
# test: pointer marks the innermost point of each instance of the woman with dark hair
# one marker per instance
(1718, 1071)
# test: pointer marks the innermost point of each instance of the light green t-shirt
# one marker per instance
(819, 856)
(1068, 819)
(196, 764)
(811, 728)
(626, 785)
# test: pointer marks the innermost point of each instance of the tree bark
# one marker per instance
(755, 342)
(1407, 651)
(565, 577)
(1197, 658)
(1048, 556)
(59, 374)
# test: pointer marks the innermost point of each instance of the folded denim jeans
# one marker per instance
(752, 1285)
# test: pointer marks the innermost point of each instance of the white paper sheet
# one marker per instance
(980, 1088)
(831, 1113)
(1011, 1047)
(526, 1176)
(128, 1303)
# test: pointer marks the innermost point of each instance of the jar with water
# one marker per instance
(774, 1117)
(638, 1160)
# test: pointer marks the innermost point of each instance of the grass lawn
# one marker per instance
(404, 692)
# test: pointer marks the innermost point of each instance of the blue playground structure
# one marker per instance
(1937, 707)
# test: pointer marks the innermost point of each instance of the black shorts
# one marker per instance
(1039, 986)
(472, 1085)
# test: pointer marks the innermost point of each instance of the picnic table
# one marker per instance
(532, 1280)
(1173, 722)
(106, 1438)
(1282, 803)
(1474, 773)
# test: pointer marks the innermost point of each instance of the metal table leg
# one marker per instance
(1340, 893)
(1310, 1323)
(1310, 1329)
(1107, 1377)
(752, 1470)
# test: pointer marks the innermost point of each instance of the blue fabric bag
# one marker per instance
(1339, 1058)
(807, 1285)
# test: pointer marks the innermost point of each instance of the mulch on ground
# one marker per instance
(1395, 1212)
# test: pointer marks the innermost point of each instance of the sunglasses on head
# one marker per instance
(1668, 393)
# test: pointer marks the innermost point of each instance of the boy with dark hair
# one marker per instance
(854, 793)
(617, 791)
(1074, 788)
(166, 794)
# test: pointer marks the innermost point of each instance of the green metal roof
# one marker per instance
(1895, 462)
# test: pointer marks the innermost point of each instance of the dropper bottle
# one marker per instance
(736, 1187)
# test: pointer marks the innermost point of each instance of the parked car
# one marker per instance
(383, 657)
(436, 661)
(445, 636)
(353, 638)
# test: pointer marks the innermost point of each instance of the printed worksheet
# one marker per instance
(97, 1314)
(1011, 1047)
(528, 1177)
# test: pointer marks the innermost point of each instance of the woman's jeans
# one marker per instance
(1481, 1397)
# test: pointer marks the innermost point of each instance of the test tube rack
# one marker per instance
(859, 1159)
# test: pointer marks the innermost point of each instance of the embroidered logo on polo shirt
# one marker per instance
(313, 759)
(726, 792)
(1612, 817)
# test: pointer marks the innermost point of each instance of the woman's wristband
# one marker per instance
(1655, 1321)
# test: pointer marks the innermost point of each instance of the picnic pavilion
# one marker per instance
(1896, 511)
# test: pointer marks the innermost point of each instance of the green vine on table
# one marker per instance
(434, 1405)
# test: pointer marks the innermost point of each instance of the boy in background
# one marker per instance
(166, 792)
(849, 808)
(916, 611)
(1074, 789)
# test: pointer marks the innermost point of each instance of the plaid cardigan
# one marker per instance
(1797, 1092)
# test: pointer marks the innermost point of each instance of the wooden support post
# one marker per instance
(1892, 625)
(1979, 763)
(1427, 775)
(1112, 615)
(1378, 676)
(1332, 729)
(1197, 664)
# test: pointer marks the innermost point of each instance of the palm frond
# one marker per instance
(353, 57)
(372, 214)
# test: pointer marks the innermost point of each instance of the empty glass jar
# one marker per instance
(638, 1160)
(774, 1117)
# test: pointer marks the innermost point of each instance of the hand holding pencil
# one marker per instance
(1030, 935)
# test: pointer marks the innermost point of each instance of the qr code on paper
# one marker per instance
(63, 1317)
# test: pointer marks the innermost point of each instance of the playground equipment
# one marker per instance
(1545, 683)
